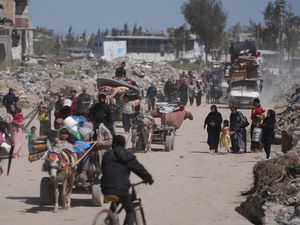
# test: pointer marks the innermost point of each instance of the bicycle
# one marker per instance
(108, 217)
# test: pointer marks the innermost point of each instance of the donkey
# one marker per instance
(60, 166)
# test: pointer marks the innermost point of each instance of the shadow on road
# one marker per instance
(35, 201)
(32, 201)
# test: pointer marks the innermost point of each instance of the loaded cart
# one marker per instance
(163, 135)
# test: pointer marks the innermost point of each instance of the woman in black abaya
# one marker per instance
(213, 122)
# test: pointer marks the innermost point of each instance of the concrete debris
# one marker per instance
(275, 196)
(35, 80)
(288, 120)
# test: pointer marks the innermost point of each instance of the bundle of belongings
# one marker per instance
(172, 114)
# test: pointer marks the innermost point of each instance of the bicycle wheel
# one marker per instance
(104, 217)
(139, 216)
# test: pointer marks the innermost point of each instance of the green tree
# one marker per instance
(83, 36)
(114, 32)
(179, 38)
(126, 29)
(91, 43)
(208, 20)
(70, 40)
(134, 30)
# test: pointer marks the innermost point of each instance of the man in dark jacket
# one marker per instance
(102, 110)
(151, 95)
(120, 71)
(10, 99)
(83, 103)
(116, 167)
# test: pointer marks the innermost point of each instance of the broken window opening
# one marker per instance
(20, 7)
(1, 11)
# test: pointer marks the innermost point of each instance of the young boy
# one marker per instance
(30, 136)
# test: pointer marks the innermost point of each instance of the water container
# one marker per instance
(6, 146)
(71, 124)
(256, 136)
(68, 102)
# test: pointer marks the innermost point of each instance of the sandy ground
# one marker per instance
(192, 187)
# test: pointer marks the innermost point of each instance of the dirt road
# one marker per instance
(192, 187)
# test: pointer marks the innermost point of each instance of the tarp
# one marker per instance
(116, 83)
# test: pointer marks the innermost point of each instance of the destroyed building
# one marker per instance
(15, 31)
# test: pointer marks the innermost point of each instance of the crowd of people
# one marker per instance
(231, 136)
(98, 127)
(190, 88)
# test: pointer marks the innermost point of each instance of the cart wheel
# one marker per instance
(96, 194)
(168, 143)
(46, 191)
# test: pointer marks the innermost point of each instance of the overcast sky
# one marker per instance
(90, 15)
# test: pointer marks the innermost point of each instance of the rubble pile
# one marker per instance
(288, 111)
(33, 81)
(275, 196)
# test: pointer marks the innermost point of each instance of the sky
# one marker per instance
(91, 15)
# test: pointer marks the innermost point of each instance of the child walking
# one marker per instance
(30, 136)
(225, 140)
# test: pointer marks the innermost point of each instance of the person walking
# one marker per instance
(83, 103)
(238, 124)
(183, 91)
(225, 140)
(198, 93)
(116, 166)
(268, 133)
(151, 95)
(191, 91)
(213, 122)
(257, 118)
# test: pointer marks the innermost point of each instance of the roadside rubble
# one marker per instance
(288, 119)
(275, 196)
(33, 81)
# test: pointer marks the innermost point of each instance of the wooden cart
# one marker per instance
(164, 135)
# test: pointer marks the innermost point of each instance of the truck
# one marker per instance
(245, 81)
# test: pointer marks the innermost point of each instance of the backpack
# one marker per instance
(244, 120)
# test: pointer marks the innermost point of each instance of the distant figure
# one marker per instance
(170, 90)
(30, 136)
(192, 92)
(10, 99)
(59, 104)
(74, 102)
(120, 71)
(83, 103)
(44, 118)
(151, 95)
(183, 91)
(198, 93)
(268, 133)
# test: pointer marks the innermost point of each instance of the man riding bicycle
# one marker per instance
(116, 167)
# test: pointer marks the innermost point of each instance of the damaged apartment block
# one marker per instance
(15, 31)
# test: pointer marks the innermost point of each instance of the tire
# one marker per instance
(168, 143)
(96, 195)
(139, 216)
(46, 192)
(104, 217)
